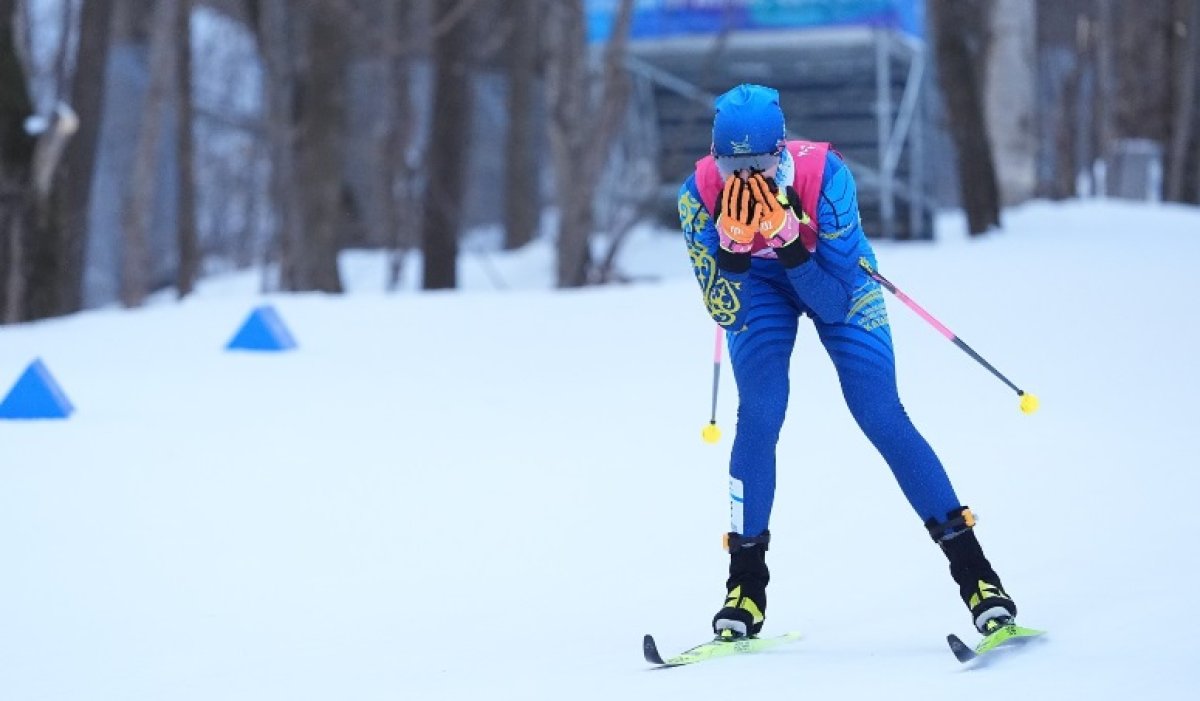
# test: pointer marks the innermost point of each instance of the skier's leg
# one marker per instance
(760, 354)
(867, 371)
(861, 350)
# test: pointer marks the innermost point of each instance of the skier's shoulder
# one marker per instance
(834, 163)
(702, 187)
(693, 217)
(688, 185)
(836, 175)
(689, 194)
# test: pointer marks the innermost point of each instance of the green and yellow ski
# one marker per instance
(711, 650)
(1007, 636)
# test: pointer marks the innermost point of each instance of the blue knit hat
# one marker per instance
(748, 121)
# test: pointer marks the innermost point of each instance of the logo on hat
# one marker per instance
(740, 147)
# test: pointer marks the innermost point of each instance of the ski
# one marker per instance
(717, 647)
(1009, 636)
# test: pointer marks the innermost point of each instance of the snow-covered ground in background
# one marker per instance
(492, 493)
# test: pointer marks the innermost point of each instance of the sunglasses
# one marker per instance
(754, 162)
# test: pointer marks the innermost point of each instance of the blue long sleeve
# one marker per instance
(826, 282)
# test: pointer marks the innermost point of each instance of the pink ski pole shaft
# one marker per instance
(719, 337)
(941, 328)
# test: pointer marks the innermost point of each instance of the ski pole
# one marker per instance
(712, 434)
(1029, 401)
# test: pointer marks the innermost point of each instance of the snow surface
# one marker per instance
(492, 494)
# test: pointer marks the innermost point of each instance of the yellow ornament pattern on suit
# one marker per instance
(720, 295)
(867, 308)
(693, 217)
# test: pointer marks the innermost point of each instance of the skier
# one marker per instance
(773, 231)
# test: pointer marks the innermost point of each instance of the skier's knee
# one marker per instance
(762, 415)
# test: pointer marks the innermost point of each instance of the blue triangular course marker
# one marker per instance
(263, 330)
(36, 396)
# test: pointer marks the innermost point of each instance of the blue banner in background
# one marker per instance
(654, 19)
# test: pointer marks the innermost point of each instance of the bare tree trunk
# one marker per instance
(1106, 131)
(13, 225)
(1064, 31)
(44, 190)
(139, 205)
(567, 92)
(1067, 133)
(1010, 97)
(1143, 38)
(189, 243)
(1187, 20)
(394, 30)
(410, 21)
(276, 30)
(522, 202)
(580, 130)
(957, 36)
(449, 140)
(320, 143)
(305, 52)
(381, 29)
(74, 186)
(16, 163)
(16, 158)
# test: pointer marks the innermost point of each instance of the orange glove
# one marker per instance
(738, 216)
(781, 219)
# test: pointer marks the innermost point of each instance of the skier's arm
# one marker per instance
(821, 292)
(721, 274)
(824, 282)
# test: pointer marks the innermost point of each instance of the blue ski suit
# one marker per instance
(760, 310)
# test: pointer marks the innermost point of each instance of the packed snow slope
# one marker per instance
(493, 493)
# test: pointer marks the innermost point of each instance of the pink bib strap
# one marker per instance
(809, 157)
(708, 182)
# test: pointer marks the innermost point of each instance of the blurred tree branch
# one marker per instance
(581, 125)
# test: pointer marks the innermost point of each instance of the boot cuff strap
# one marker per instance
(957, 521)
(735, 541)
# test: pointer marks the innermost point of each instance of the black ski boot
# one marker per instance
(978, 584)
(746, 601)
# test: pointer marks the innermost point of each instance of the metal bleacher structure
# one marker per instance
(858, 81)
